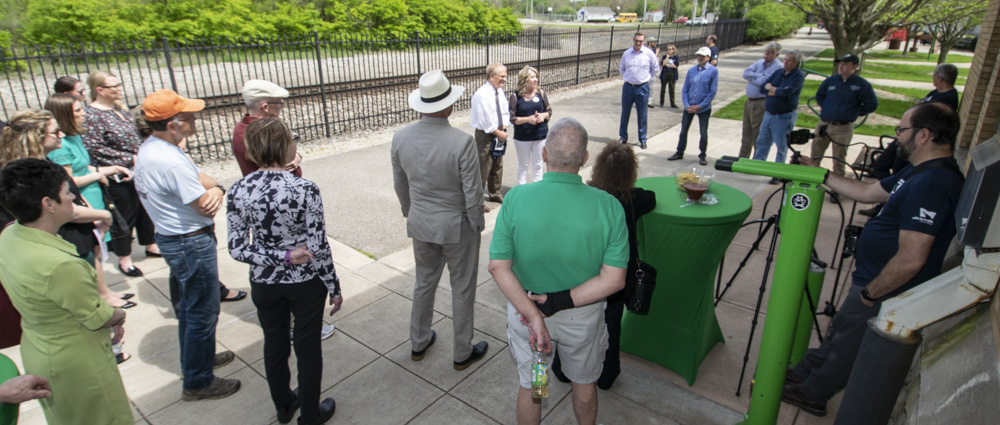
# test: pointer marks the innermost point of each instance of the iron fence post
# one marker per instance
(322, 85)
(579, 43)
(416, 35)
(611, 48)
(539, 61)
(487, 47)
(170, 68)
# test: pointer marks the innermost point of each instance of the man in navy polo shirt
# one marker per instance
(843, 98)
(900, 248)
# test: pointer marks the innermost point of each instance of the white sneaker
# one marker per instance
(326, 333)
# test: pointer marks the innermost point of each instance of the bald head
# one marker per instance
(566, 146)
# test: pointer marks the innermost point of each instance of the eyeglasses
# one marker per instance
(900, 130)
(111, 87)
(54, 133)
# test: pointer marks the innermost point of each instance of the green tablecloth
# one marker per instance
(8, 412)
(685, 245)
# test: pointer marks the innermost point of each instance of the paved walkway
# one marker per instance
(367, 366)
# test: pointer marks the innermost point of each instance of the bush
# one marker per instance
(773, 20)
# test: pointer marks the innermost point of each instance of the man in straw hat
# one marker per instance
(182, 202)
(435, 169)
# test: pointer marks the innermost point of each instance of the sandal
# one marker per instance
(122, 357)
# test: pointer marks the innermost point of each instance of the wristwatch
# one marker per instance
(222, 188)
(864, 294)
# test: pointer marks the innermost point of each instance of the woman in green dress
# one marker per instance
(64, 320)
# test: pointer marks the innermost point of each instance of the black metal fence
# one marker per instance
(338, 83)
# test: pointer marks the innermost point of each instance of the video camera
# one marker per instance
(801, 137)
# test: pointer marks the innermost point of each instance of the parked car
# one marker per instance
(967, 42)
(681, 20)
(695, 21)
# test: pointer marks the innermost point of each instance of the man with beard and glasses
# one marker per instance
(919, 212)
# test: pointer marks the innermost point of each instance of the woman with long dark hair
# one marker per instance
(615, 171)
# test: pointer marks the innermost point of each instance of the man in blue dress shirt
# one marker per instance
(780, 108)
(700, 86)
(757, 75)
(843, 98)
(638, 66)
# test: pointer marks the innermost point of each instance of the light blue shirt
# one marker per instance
(700, 86)
(638, 67)
(757, 75)
(167, 181)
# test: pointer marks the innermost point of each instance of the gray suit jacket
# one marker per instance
(435, 169)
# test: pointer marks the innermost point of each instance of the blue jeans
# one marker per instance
(639, 95)
(686, 119)
(194, 264)
(773, 130)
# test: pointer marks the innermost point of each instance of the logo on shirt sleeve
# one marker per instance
(925, 216)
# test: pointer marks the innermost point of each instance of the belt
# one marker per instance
(839, 122)
(201, 231)
(636, 85)
(751, 99)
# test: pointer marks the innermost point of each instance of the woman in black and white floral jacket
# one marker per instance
(276, 225)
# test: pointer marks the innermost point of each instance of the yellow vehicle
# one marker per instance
(626, 17)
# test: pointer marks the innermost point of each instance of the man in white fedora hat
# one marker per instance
(435, 170)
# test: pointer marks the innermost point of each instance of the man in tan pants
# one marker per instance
(843, 97)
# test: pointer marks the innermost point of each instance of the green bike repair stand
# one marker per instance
(800, 212)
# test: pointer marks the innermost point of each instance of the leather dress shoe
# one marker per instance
(327, 408)
(675, 156)
(702, 161)
(151, 254)
(642, 145)
(622, 140)
(792, 394)
(132, 271)
(239, 296)
(478, 352)
(128, 296)
(419, 355)
(286, 413)
(128, 305)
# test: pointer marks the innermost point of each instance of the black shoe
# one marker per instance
(126, 297)
(286, 414)
(327, 408)
(675, 156)
(131, 272)
(701, 160)
(792, 394)
(774, 180)
(661, 105)
(673, 106)
(122, 357)
(222, 359)
(239, 296)
(642, 145)
(150, 254)
(128, 305)
(419, 355)
(478, 352)
(791, 378)
(622, 140)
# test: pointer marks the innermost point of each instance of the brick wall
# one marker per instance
(980, 108)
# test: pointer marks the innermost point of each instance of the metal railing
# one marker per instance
(337, 83)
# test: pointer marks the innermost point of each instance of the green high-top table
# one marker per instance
(685, 245)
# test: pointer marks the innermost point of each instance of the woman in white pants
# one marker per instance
(530, 112)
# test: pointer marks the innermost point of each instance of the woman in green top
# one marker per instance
(65, 321)
(70, 114)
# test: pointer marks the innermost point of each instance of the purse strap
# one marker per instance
(638, 269)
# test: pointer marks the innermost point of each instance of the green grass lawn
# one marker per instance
(891, 71)
(897, 55)
(887, 107)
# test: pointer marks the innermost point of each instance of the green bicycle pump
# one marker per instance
(800, 212)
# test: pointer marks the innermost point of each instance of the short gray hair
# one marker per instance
(773, 46)
(566, 144)
(795, 54)
(253, 104)
(947, 72)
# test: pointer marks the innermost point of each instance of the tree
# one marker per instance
(950, 20)
(857, 25)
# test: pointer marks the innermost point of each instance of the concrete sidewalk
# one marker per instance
(367, 368)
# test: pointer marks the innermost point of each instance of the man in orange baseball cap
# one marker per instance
(182, 201)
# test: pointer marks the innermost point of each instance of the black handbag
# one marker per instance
(119, 227)
(638, 299)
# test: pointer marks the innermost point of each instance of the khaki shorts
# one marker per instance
(579, 335)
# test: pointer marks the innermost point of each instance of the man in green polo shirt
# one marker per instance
(559, 246)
